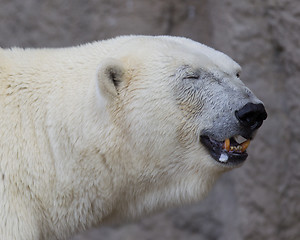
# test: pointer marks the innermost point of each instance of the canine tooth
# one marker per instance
(239, 148)
(226, 145)
(245, 145)
(231, 148)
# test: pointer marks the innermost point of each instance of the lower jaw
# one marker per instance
(229, 158)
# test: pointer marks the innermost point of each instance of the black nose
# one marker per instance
(251, 115)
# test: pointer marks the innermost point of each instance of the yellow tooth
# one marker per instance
(226, 145)
(245, 145)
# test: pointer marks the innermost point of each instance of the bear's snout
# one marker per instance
(251, 116)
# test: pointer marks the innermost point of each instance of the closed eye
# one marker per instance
(192, 77)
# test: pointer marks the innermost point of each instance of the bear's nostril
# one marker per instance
(251, 115)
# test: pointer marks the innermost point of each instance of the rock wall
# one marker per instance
(261, 200)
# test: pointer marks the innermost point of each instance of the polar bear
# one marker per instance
(115, 130)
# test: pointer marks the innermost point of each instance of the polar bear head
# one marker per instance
(178, 107)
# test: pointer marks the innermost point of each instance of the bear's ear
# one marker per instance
(110, 77)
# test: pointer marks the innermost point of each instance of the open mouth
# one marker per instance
(228, 151)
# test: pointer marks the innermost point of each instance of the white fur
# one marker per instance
(72, 158)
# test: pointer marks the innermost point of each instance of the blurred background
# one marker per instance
(260, 200)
